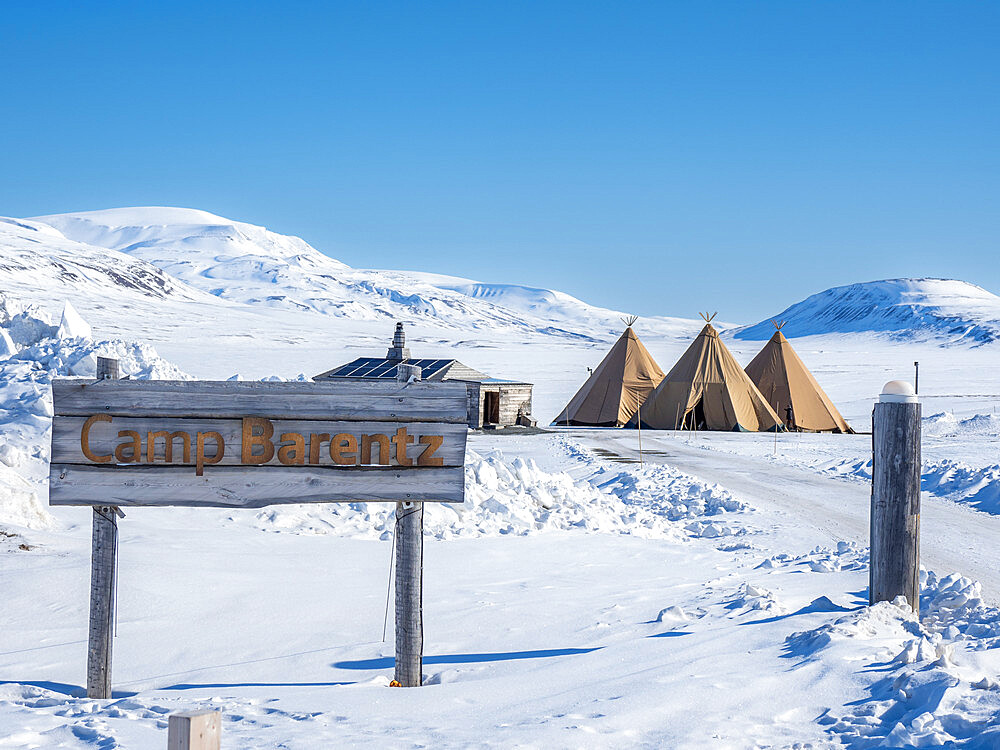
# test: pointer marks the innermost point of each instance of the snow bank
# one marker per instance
(664, 490)
(946, 424)
(955, 481)
(937, 686)
(846, 556)
(978, 486)
(24, 324)
(7, 345)
(671, 492)
(26, 400)
(78, 357)
(516, 497)
(72, 326)
(502, 497)
(19, 503)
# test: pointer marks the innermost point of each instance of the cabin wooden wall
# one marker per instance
(514, 397)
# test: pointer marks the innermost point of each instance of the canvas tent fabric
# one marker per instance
(783, 379)
(707, 386)
(614, 391)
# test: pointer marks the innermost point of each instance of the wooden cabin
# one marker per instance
(492, 402)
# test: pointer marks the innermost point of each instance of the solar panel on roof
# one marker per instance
(374, 367)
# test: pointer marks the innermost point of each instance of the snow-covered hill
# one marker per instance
(942, 310)
(37, 260)
(249, 264)
(187, 254)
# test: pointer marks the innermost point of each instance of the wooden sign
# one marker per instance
(250, 444)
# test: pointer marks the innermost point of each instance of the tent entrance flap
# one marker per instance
(694, 418)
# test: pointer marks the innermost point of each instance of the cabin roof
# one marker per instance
(381, 368)
(385, 369)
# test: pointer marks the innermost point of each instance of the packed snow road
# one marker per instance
(953, 538)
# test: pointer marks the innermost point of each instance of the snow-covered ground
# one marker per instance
(713, 595)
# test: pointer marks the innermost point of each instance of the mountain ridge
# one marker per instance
(249, 264)
(197, 255)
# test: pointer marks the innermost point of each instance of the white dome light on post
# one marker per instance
(897, 392)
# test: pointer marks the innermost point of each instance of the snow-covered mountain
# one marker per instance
(943, 310)
(36, 259)
(249, 264)
(139, 258)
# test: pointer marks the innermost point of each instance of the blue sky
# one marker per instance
(658, 158)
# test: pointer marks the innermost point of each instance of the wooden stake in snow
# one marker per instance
(194, 730)
(409, 594)
(409, 541)
(895, 505)
(638, 422)
(103, 560)
(776, 436)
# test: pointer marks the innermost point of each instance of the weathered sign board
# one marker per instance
(250, 444)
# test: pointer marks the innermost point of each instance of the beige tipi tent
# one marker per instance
(614, 391)
(708, 390)
(785, 381)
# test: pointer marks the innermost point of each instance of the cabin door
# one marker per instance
(491, 407)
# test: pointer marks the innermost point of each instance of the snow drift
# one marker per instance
(44, 350)
(516, 497)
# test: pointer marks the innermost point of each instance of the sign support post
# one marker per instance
(103, 561)
(409, 541)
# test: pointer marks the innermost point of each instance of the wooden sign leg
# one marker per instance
(409, 594)
(104, 549)
(102, 582)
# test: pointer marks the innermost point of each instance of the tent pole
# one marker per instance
(776, 434)
(638, 421)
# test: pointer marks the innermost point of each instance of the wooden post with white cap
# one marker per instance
(409, 543)
(895, 506)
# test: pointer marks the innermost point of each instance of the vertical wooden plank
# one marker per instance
(895, 503)
(102, 581)
(409, 541)
(404, 373)
(107, 368)
(409, 593)
(194, 730)
(103, 553)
